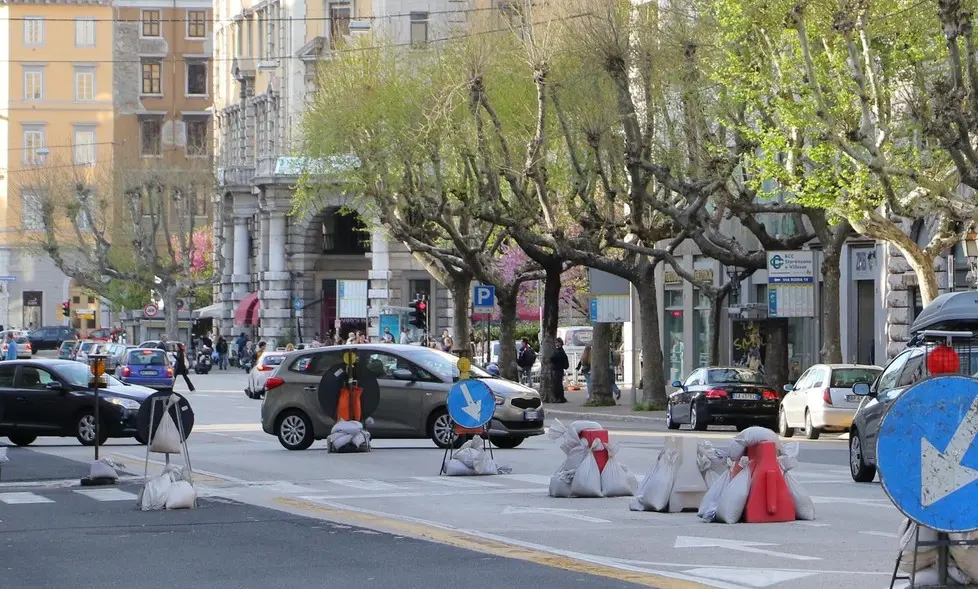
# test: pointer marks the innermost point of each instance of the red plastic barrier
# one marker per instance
(769, 499)
(601, 456)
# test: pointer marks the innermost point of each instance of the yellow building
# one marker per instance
(55, 110)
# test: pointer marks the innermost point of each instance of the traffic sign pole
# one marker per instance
(97, 363)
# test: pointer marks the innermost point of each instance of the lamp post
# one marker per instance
(96, 478)
(970, 245)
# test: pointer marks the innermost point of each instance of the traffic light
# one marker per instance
(66, 309)
(419, 315)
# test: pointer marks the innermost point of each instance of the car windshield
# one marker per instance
(67, 346)
(81, 375)
(441, 364)
(86, 346)
(148, 358)
(735, 375)
(23, 340)
(272, 360)
(844, 378)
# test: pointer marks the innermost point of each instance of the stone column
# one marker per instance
(379, 294)
(225, 286)
(245, 207)
(276, 285)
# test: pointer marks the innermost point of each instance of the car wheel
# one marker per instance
(140, 439)
(811, 432)
(670, 422)
(441, 432)
(85, 429)
(506, 442)
(783, 430)
(860, 471)
(22, 439)
(294, 430)
(698, 422)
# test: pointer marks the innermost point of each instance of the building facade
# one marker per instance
(284, 268)
(55, 111)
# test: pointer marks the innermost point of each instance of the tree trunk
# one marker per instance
(551, 314)
(831, 306)
(507, 300)
(776, 359)
(461, 288)
(923, 266)
(600, 365)
(653, 361)
(716, 314)
(171, 313)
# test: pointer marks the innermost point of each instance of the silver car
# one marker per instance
(414, 384)
(267, 364)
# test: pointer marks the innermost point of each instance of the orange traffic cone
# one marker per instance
(343, 405)
(769, 499)
(356, 393)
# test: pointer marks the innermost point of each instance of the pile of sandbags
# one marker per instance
(728, 494)
(171, 489)
(579, 475)
(348, 436)
(657, 490)
(473, 459)
(962, 565)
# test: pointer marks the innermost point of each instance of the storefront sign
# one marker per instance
(791, 284)
(670, 277)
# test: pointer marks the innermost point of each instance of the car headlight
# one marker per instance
(499, 399)
(125, 403)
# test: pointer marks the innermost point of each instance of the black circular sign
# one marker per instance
(181, 410)
(335, 379)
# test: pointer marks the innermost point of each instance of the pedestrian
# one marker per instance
(222, 353)
(11, 347)
(261, 350)
(584, 367)
(181, 367)
(525, 359)
(612, 365)
(446, 342)
(558, 364)
(405, 338)
(290, 348)
(162, 344)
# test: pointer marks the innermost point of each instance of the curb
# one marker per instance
(596, 415)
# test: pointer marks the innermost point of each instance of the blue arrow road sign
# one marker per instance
(484, 296)
(926, 453)
(471, 404)
(594, 310)
(297, 304)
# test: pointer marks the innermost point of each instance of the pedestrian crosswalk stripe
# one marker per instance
(537, 479)
(447, 481)
(107, 494)
(22, 498)
(366, 484)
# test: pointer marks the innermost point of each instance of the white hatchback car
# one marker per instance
(267, 364)
(822, 399)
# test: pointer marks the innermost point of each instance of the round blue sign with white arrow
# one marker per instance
(927, 456)
(471, 403)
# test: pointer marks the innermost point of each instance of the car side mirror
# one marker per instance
(861, 389)
(677, 384)
(403, 374)
(54, 386)
(788, 388)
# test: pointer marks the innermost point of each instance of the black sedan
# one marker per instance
(723, 396)
(53, 398)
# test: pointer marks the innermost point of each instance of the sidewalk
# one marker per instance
(27, 465)
(574, 409)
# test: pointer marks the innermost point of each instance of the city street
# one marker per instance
(395, 489)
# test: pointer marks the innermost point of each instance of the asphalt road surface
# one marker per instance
(395, 490)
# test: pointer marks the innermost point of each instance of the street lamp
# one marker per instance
(970, 247)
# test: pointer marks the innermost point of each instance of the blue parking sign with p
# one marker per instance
(484, 296)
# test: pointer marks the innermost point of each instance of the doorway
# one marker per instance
(866, 322)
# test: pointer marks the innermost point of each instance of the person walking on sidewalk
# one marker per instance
(181, 367)
(584, 367)
(11, 347)
(222, 353)
(524, 361)
(558, 364)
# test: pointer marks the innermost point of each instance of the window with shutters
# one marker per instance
(151, 136)
(33, 144)
(196, 78)
(84, 145)
(419, 29)
(150, 23)
(196, 24)
(33, 83)
(196, 136)
(152, 76)
(84, 32)
(84, 83)
(33, 30)
(339, 24)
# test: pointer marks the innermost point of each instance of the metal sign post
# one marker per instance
(471, 405)
(926, 464)
(97, 363)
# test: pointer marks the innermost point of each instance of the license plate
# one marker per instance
(147, 372)
(746, 396)
(532, 415)
(852, 398)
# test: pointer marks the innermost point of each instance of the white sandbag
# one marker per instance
(658, 487)
(804, 506)
(565, 436)
(181, 495)
(167, 437)
(926, 555)
(789, 450)
(154, 493)
(733, 499)
(708, 507)
(485, 465)
(583, 424)
(339, 439)
(349, 427)
(100, 469)
(587, 479)
(965, 557)
(467, 456)
(616, 480)
(455, 468)
(711, 461)
(3, 455)
(749, 437)
(560, 484)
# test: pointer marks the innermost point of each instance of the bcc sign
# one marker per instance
(484, 297)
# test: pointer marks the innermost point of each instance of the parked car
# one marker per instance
(115, 353)
(723, 396)
(414, 384)
(149, 367)
(268, 362)
(85, 347)
(53, 398)
(66, 351)
(172, 349)
(50, 338)
(822, 399)
(23, 348)
(104, 334)
(952, 313)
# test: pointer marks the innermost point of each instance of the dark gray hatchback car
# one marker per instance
(951, 319)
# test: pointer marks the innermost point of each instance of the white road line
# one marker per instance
(538, 479)
(58, 484)
(881, 503)
(880, 534)
(22, 498)
(365, 484)
(466, 482)
(107, 494)
(406, 494)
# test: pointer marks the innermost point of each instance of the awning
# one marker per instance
(247, 311)
(208, 312)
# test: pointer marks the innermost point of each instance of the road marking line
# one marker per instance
(456, 482)
(23, 498)
(200, 476)
(537, 479)
(880, 534)
(107, 494)
(453, 493)
(366, 484)
(647, 563)
(750, 577)
(863, 502)
(58, 484)
(227, 427)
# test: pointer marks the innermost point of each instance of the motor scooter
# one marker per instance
(204, 361)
